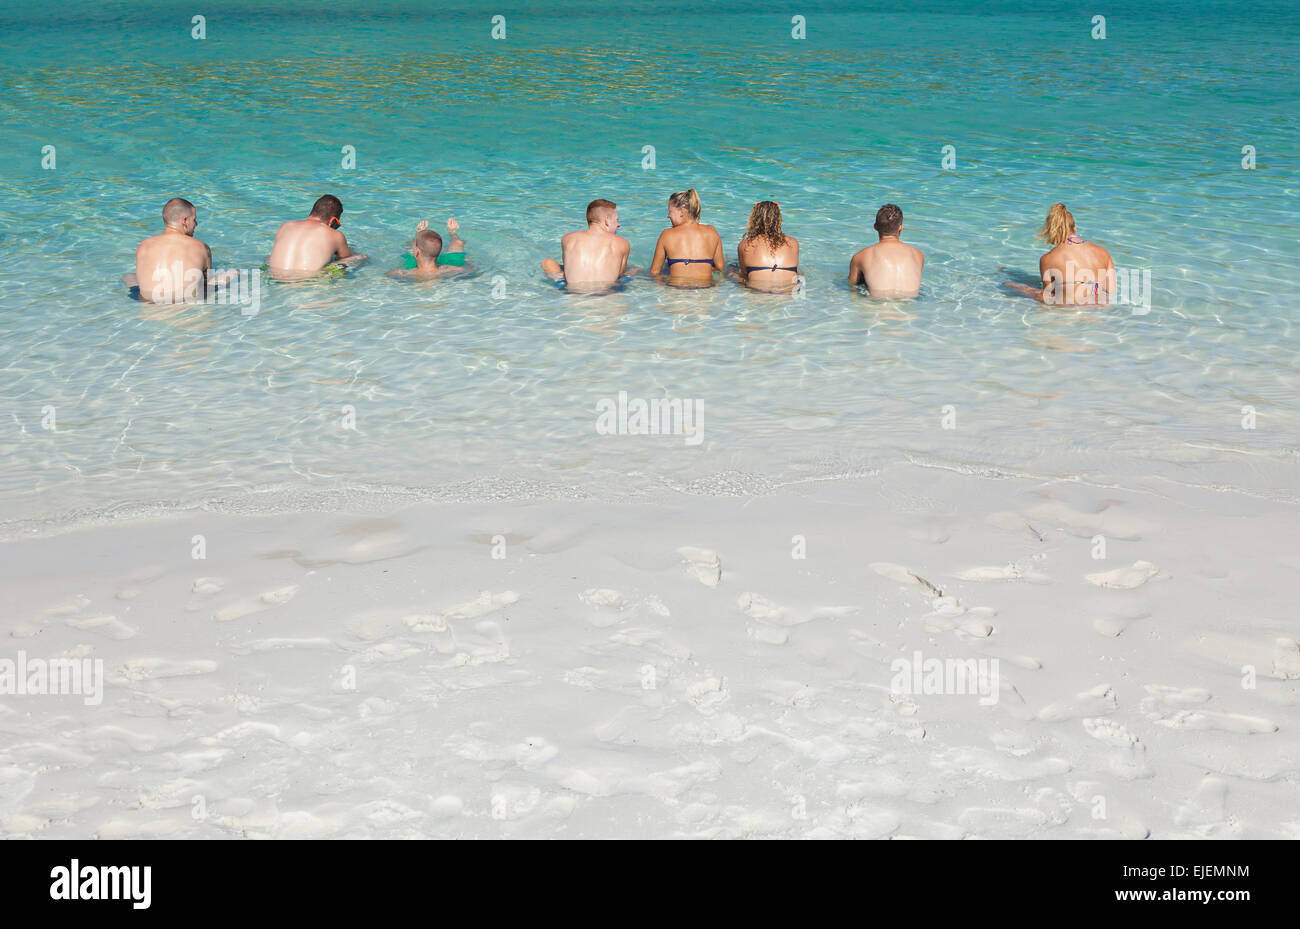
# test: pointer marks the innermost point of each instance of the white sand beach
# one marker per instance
(668, 669)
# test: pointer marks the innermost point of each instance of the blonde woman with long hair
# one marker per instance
(1074, 272)
(692, 251)
(768, 258)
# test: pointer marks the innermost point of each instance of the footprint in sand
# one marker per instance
(486, 602)
(262, 602)
(768, 635)
(485, 645)
(207, 585)
(24, 629)
(137, 580)
(586, 677)
(534, 752)
(763, 610)
(1174, 698)
(1207, 812)
(1286, 659)
(707, 694)
(110, 626)
(1128, 578)
(68, 607)
(932, 532)
(703, 564)
(896, 572)
(976, 629)
(1129, 759)
(1099, 701)
(1117, 621)
(1167, 706)
(603, 597)
(1109, 520)
(1016, 744)
(266, 645)
(1005, 572)
(607, 604)
(149, 669)
(1014, 522)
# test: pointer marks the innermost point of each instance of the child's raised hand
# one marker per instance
(452, 225)
(424, 224)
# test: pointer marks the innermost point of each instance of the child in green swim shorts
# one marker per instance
(427, 259)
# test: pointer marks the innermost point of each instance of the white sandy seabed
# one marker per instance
(668, 670)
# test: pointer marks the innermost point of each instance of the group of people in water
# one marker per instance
(688, 253)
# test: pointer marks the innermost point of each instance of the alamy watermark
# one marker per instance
(103, 882)
(661, 416)
(25, 676)
(234, 287)
(946, 676)
(1130, 287)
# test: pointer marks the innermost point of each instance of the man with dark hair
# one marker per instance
(173, 267)
(304, 246)
(890, 268)
(595, 257)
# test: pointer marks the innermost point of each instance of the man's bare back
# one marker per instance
(172, 267)
(304, 246)
(595, 257)
(890, 268)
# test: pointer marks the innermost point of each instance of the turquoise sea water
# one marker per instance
(488, 385)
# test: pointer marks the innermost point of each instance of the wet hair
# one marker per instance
(687, 200)
(599, 209)
(429, 243)
(889, 219)
(765, 223)
(327, 207)
(1058, 226)
(175, 210)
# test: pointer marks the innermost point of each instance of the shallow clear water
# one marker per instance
(459, 389)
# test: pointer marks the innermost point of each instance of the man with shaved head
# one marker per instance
(595, 257)
(173, 267)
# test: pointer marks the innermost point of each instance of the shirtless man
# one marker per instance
(172, 267)
(594, 258)
(304, 246)
(431, 261)
(890, 268)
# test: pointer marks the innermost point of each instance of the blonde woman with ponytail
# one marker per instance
(692, 251)
(768, 258)
(1074, 272)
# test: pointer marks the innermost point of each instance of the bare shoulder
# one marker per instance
(916, 251)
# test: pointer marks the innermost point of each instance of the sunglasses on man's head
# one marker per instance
(334, 222)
